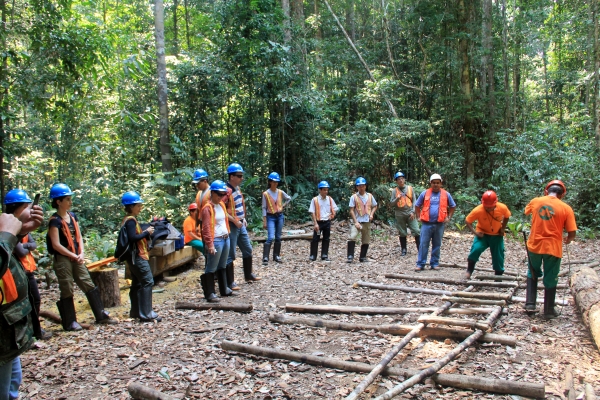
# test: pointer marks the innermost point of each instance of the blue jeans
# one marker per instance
(219, 259)
(239, 236)
(430, 232)
(274, 227)
(11, 377)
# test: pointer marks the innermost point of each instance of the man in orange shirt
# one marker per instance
(192, 236)
(491, 218)
(550, 217)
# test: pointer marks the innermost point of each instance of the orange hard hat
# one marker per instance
(192, 206)
(555, 182)
(489, 199)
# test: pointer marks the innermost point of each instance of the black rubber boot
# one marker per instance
(277, 252)
(208, 287)
(470, 269)
(499, 273)
(147, 314)
(314, 248)
(351, 245)
(223, 289)
(97, 307)
(549, 299)
(363, 253)
(531, 295)
(266, 251)
(248, 275)
(135, 307)
(230, 277)
(66, 309)
(325, 250)
(403, 245)
(418, 242)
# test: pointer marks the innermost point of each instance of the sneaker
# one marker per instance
(418, 269)
(435, 267)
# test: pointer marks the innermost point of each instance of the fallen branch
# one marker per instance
(206, 329)
(450, 281)
(56, 318)
(337, 309)
(181, 305)
(569, 390)
(138, 391)
(467, 323)
(477, 270)
(535, 390)
(467, 300)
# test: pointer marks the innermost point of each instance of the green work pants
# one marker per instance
(551, 268)
(404, 221)
(496, 245)
(69, 272)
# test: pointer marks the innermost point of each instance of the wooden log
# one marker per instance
(139, 391)
(500, 278)
(566, 271)
(477, 270)
(338, 309)
(569, 390)
(585, 287)
(56, 318)
(393, 329)
(206, 328)
(450, 281)
(589, 392)
(467, 300)
(107, 281)
(535, 390)
(467, 323)
(181, 305)
(483, 295)
(303, 236)
(101, 263)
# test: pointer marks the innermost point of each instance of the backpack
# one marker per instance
(125, 250)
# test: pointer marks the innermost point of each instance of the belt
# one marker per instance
(325, 220)
(222, 237)
(276, 214)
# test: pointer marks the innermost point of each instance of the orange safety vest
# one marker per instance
(278, 206)
(8, 288)
(442, 210)
(405, 201)
(211, 211)
(366, 207)
(318, 208)
(202, 198)
(142, 245)
(28, 261)
(67, 233)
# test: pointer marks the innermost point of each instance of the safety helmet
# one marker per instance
(489, 199)
(360, 181)
(199, 174)
(555, 182)
(323, 184)
(234, 167)
(274, 176)
(192, 206)
(17, 196)
(434, 177)
(218, 186)
(131, 197)
(398, 175)
(60, 190)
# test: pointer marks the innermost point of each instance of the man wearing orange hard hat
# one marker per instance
(491, 217)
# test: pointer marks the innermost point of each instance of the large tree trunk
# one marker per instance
(487, 65)
(468, 127)
(175, 28)
(585, 287)
(3, 94)
(505, 66)
(163, 110)
(187, 25)
(596, 77)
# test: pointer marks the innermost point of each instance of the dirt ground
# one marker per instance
(99, 363)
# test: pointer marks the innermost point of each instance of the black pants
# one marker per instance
(35, 300)
(325, 228)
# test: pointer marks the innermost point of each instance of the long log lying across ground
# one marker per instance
(239, 307)
(468, 300)
(138, 391)
(535, 390)
(338, 309)
(585, 286)
(467, 323)
(56, 318)
(450, 281)
(573, 270)
(477, 270)
(393, 329)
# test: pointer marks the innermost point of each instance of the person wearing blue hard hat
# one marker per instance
(403, 201)
(273, 202)
(200, 180)
(322, 211)
(65, 243)
(236, 210)
(362, 207)
(142, 280)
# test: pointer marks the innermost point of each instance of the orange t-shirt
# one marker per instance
(489, 222)
(189, 225)
(550, 216)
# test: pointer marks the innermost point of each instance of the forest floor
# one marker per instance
(100, 362)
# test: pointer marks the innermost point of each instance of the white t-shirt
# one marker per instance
(364, 198)
(220, 225)
(324, 208)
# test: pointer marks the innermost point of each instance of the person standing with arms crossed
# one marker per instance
(362, 208)
(403, 200)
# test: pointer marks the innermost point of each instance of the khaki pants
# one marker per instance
(67, 272)
(365, 232)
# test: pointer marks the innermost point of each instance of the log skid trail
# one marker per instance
(182, 357)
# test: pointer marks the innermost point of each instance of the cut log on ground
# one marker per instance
(483, 295)
(450, 281)
(535, 390)
(585, 287)
(521, 278)
(477, 270)
(181, 305)
(206, 328)
(467, 300)
(107, 281)
(569, 390)
(589, 392)
(138, 391)
(573, 270)
(393, 329)
(303, 236)
(56, 318)
(337, 309)
(466, 323)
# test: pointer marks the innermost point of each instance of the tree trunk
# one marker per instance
(187, 25)
(163, 110)
(585, 287)
(505, 66)
(595, 112)
(287, 21)
(3, 95)
(175, 29)
(487, 65)
(468, 127)
(107, 281)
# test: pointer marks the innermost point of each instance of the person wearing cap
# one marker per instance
(492, 217)
(236, 213)
(434, 207)
(142, 280)
(273, 202)
(322, 211)
(200, 181)
(403, 200)
(362, 207)
(65, 243)
(216, 229)
(550, 217)
(192, 235)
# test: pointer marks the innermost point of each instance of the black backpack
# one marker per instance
(125, 250)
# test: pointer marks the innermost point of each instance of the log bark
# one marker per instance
(304, 236)
(56, 318)
(107, 281)
(535, 390)
(181, 305)
(569, 390)
(484, 295)
(466, 300)
(466, 323)
(477, 270)
(138, 391)
(521, 278)
(572, 271)
(585, 287)
(393, 329)
(337, 309)
(450, 281)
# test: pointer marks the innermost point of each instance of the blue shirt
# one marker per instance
(434, 203)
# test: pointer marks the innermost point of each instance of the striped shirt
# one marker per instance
(238, 199)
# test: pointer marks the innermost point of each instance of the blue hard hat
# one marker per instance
(323, 184)
(235, 167)
(199, 174)
(274, 176)
(17, 196)
(131, 197)
(398, 175)
(60, 190)
(218, 186)
(360, 181)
